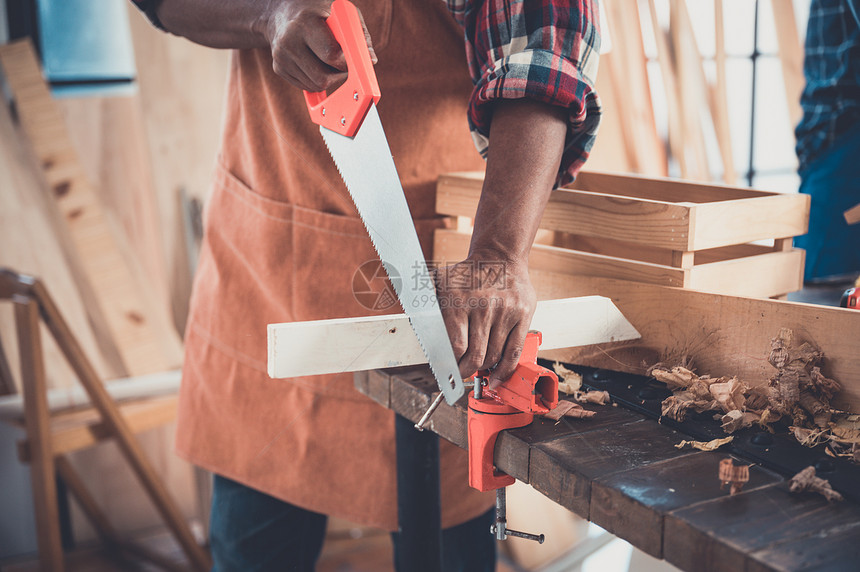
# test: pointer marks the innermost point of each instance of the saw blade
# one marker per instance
(367, 167)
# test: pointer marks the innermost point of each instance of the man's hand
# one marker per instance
(488, 303)
(488, 319)
(304, 51)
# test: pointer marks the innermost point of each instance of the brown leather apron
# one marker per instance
(282, 243)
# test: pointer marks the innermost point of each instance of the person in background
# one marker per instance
(283, 241)
(828, 140)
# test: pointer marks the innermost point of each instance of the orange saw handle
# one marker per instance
(343, 111)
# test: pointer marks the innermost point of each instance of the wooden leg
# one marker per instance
(7, 384)
(37, 420)
(117, 424)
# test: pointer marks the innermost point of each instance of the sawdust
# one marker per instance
(806, 480)
(797, 393)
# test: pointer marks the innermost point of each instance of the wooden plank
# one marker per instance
(513, 449)
(649, 152)
(692, 96)
(625, 217)
(790, 56)
(724, 335)
(759, 276)
(109, 136)
(85, 428)
(373, 342)
(632, 504)
(624, 473)
(37, 420)
(663, 189)
(181, 91)
(123, 389)
(763, 274)
(671, 214)
(734, 532)
(720, 108)
(563, 469)
(450, 246)
(745, 220)
(35, 242)
(146, 342)
(668, 73)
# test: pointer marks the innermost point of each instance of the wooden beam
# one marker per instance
(724, 335)
(358, 344)
(37, 421)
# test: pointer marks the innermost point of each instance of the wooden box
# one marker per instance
(658, 231)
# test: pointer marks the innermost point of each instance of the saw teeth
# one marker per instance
(446, 388)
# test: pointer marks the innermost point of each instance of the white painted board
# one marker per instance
(357, 344)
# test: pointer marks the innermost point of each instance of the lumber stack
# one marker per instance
(97, 250)
(657, 231)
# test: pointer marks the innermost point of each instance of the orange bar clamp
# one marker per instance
(531, 389)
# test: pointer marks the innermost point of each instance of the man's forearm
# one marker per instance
(526, 144)
(217, 23)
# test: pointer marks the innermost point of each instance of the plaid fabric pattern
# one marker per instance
(831, 98)
(541, 49)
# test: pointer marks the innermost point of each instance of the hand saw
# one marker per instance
(353, 133)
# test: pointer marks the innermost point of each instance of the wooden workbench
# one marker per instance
(622, 471)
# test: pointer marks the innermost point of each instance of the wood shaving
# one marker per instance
(711, 445)
(568, 409)
(737, 419)
(676, 378)
(593, 396)
(569, 381)
(806, 480)
(797, 392)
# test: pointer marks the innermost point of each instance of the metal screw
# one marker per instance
(355, 95)
(323, 111)
(343, 120)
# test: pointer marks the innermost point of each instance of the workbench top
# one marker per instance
(623, 472)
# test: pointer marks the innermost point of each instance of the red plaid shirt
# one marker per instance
(541, 49)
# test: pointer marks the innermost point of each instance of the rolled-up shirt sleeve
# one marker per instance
(545, 50)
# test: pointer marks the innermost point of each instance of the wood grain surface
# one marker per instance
(623, 472)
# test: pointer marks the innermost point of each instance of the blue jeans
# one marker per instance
(253, 532)
(832, 246)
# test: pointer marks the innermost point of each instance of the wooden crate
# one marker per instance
(657, 231)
